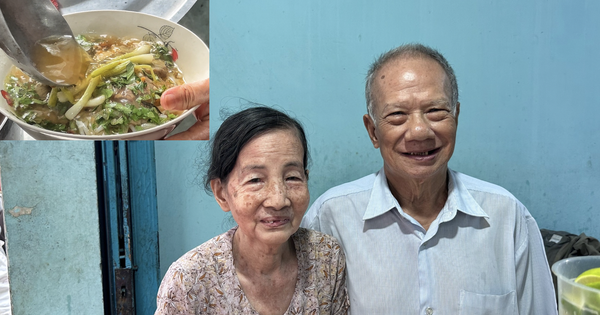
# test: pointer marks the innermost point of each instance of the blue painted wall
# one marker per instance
(528, 73)
(52, 229)
(187, 216)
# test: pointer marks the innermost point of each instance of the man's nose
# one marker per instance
(277, 196)
(419, 128)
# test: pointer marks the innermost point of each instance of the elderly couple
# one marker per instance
(413, 238)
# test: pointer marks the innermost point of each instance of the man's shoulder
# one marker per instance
(339, 198)
(348, 189)
(494, 199)
(478, 185)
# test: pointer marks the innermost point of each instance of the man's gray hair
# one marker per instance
(411, 51)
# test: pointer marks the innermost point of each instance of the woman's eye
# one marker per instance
(254, 180)
(295, 178)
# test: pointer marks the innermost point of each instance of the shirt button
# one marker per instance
(429, 311)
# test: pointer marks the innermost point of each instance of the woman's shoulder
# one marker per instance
(196, 281)
(208, 254)
(317, 244)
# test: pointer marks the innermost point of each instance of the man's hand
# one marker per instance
(184, 97)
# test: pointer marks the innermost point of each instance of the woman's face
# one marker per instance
(267, 190)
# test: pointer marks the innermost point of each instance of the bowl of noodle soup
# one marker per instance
(118, 98)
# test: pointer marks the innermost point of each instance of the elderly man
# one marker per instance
(421, 238)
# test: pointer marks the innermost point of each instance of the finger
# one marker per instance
(202, 112)
(186, 96)
(199, 131)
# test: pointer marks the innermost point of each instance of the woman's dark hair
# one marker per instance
(239, 129)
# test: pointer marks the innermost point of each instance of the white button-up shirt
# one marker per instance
(483, 254)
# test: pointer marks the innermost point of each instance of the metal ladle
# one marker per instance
(24, 23)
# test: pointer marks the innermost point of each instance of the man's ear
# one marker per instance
(219, 190)
(370, 125)
(457, 112)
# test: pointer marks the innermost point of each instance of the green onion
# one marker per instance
(143, 59)
(53, 98)
(105, 68)
(120, 68)
(68, 95)
(144, 49)
(77, 107)
(95, 101)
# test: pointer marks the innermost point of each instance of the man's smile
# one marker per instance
(421, 153)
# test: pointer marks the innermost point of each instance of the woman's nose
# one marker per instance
(277, 196)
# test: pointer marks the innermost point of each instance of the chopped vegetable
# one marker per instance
(143, 59)
(77, 107)
(163, 53)
(120, 68)
(7, 97)
(144, 49)
(98, 100)
(53, 98)
(105, 68)
(68, 95)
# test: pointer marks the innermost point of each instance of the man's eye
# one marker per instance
(396, 118)
(437, 113)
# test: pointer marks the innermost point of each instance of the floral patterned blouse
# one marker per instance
(204, 281)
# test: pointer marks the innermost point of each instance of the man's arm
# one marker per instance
(535, 291)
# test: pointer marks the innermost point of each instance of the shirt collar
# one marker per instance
(459, 198)
(381, 200)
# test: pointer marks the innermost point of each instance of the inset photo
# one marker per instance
(109, 70)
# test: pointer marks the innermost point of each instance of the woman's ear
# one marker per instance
(219, 190)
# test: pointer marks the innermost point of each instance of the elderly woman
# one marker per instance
(266, 264)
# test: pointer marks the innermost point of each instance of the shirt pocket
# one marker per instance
(483, 304)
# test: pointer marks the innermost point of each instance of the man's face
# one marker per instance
(413, 124)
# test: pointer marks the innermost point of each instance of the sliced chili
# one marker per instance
(7, 97)
(174, 54)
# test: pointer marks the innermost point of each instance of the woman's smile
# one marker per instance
(275, 222)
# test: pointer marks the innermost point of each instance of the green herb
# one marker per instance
(162, 52)
(31, 117)
(84, 42)
(128, 77)
(23, 95)
(138, 88)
